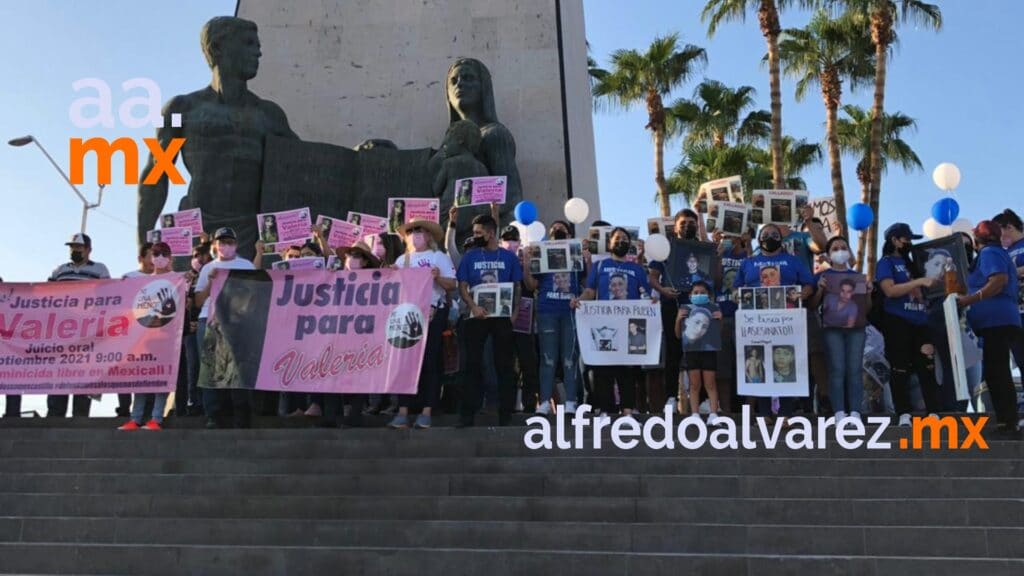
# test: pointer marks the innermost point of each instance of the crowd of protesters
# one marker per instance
(505, 371)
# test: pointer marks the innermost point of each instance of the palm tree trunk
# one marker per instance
(659, 173)
(776, 95)
(862, 238)
(881, 32)
(832, 91)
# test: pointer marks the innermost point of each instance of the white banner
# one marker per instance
(555, 256)
(619, 332)
(771, 352)
(956, 348)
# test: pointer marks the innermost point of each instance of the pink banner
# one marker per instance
(305, 263)
(191, 219)
(481, 190)
(282, 229)
(338, 232)
(371, 224)
(402, 210)
(179, 239)
(91, 337)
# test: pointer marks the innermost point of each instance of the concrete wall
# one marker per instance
(348, 70)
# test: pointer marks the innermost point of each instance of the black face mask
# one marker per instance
(620, 249)
(690, 231)
(77, 257)
(559, 234)
(479, 241)
(771, 244)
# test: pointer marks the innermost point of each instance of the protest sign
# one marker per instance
(179, 239)
(371, 224)
(691, 261)
(729, 217)
(721, 190)
(494, 298)
(777, 206)
(825, 210)
(281, 229)
(770, 297)
(939, 257)
(523, 322)
(191, 219)
(339, 233)
(402, 210)
(845, 304)
(555, 256)
(958, 362)
(304, 263)
(334, 263)
(702, 332)
(480, 190)
(619, 332)
(771, 352)
(92, 337)
(317, 331)
(664, 226)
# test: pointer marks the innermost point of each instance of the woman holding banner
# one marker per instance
(421, 241)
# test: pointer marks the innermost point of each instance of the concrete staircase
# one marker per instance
(86, 499)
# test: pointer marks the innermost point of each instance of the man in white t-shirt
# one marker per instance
(225, 244)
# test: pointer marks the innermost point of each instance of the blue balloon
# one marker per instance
(945, 211)
(860, 216)
(526, 212)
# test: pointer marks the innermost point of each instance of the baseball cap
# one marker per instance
(901, 230)
(510, 233)
(79, 238)
(225, 232)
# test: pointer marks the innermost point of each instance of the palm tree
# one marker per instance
(715, 115)
(718, 11)
(797, 157)
(884, 16)
(826, 53)
(856, 136)
(650, 78)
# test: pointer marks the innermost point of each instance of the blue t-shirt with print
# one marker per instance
(628, 280)
(1001, 309)
(555, 290)
(683, 285)
(895, 268)
(481, 266)
(731, 264)
(792, 271)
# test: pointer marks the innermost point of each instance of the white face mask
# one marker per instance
(161, 262)
(840, 257)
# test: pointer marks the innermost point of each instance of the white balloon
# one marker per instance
(576, 210)
(657, 248)
(535, 231)
(963, 225)
(522, 229)
(932, 229)
(946, 176)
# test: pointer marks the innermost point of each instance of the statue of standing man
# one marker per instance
(224, 126)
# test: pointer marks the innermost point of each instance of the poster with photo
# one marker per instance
(664, 226)
(626, 332)
(825, 210)
(599, 237)
(702, 332)
(191, 219)
(339, 233)
(721, 190)
(286, 228)
(494, 298)
(371, 224)
(935, 257)
(482, 190)
(729, 217)
(690, 261)
(179, 239)
(334, 263)
(845, 304)
(555, 256)
(770, 298)
(771, 352)
(523, 322)
(777, 206)
(304, 263)
(402, 210)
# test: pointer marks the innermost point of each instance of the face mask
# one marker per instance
(559, 234)
(700, 299)
(379, 251)
(906, 247)
(510, 245)
(77, 257)
(226, 251)
(479, 241)
(840, 257)
(620, 249)
(161, 262)
(197, 265)
(354, 264)
(690, 231)
(771, 244)
(419, 241)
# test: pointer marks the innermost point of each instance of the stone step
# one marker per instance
(252, 560)
(552, 485)
(879, 510)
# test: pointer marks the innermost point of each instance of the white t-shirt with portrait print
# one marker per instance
(430, 259)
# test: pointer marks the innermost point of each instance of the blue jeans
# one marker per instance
(845, 349)
(557, 336)
(139, 407)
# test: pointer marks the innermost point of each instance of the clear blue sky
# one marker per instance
(951, 82)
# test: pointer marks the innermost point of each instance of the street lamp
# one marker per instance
(86, 206)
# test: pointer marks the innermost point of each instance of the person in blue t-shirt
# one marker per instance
(616, 278)
(732, 251)
(486, 261)
(905, 321)
(1013, 242)
(992, 296)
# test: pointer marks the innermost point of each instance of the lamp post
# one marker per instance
(86, 206)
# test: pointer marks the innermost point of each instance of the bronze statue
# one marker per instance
(225, 127)
(460, 149)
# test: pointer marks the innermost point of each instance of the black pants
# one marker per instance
(333, 409)
(605, 378)
(903, 342)
(995, 366)
(428, 389)
(13, 409)
(529, 369)
(57, 406)
(477, 331)
(673, 348)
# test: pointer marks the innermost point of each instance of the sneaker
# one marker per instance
(313, 410)
(933, 415)
(211, 423)
(713, 419)
(904, 420)
(605, 419)
(840, 416)
(399, 421)
(152, 425)
(422, 421)
(544, 408)
(570, 407)
(704, 407)
(671, 404)
(130, 425)
(855, 415)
